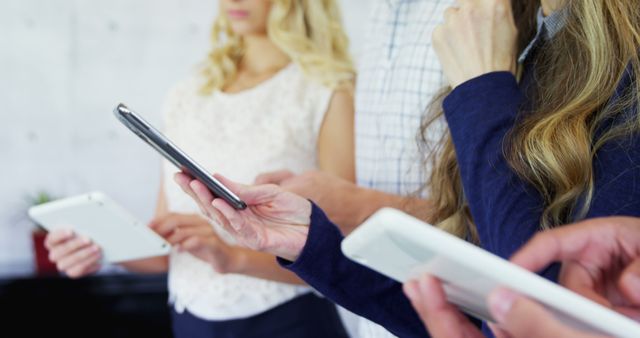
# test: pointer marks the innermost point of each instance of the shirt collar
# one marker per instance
(548, 27)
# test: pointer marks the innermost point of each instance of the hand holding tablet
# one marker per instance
(95, 216)
(403, 247)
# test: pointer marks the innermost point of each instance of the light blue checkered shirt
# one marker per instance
(399, 74)
(548, 27)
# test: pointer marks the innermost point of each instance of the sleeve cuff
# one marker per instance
(479, 89)
(320, 232)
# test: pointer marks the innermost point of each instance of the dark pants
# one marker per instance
(307, 316)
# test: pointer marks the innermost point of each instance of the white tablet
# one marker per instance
(401, 247)
(120, 235)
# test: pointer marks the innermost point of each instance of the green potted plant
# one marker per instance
(44, 267)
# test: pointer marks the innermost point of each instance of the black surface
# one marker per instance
(107, 306)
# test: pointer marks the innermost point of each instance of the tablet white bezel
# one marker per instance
(387, 241)
(94, 215)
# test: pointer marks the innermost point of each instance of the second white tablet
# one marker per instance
(400, 246)
(120, 235)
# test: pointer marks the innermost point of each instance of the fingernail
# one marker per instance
(494, 328)
(86, 240)
(500, 303)
(411, 290)
(423, 285)
(632, 282)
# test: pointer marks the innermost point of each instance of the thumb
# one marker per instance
(274, 177)
(252, 195)
(630, 282)
(524, 318)
(231, 185)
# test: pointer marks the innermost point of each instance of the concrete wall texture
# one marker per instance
(63, 66)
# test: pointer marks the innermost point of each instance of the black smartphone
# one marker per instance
(166, 148)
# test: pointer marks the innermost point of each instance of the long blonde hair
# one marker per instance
(310, 32)
(553, 146)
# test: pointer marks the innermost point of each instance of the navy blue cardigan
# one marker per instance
(506, 210)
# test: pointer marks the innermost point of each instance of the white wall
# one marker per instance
(64, 65)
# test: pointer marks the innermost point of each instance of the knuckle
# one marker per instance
(260, 243)
(219, 268)
(449, 12)
(272, 186)
(309, 175)
(47, 241)
(87, 253)
(71, 245)
(437, 36)
(469, 11)
(542, 237)
(500, 10)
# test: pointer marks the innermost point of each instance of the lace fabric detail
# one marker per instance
(269, 127)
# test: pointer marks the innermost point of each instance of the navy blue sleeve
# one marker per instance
(617, 184)
(353, 286)
(505, 209)
(480, 113)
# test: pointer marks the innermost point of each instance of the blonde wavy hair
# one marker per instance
(553, 147)
(310, 32)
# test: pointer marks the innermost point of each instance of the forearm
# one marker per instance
(155, 265)
(264, 266)
(499, 200)
(418, 207)
(336, 147)
(368, 201)
(506, 210)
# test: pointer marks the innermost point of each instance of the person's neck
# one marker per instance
(262, 56)
(550, 6)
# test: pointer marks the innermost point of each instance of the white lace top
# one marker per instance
(269, 127)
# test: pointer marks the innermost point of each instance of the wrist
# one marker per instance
(292, 249)
(371, 201)
(239, 261)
